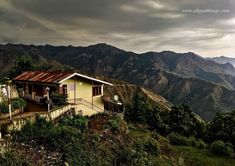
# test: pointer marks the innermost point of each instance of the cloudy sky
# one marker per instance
(206, 27)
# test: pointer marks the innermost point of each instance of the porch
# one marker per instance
(34, 91)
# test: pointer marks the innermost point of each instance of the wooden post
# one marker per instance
(9, 97)
(48, 100)
(33, 93)
(74, 88)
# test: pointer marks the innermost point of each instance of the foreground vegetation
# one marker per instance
(146, 136)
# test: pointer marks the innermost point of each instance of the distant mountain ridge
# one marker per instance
(223, 60)
(179, 77)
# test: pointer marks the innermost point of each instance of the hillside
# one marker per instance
(110, 140)
(179, 77)
(126, 93)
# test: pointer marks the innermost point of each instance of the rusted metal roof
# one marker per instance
(52, 77)
(42, 76)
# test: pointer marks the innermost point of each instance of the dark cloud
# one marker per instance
(135, 25)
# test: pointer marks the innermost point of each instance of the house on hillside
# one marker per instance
(84, 92)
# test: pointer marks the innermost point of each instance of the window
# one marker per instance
(96, 90)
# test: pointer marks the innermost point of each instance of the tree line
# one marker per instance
(219, 133)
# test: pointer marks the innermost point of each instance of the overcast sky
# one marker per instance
(206, 27)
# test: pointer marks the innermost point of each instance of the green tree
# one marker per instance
(138, 111)
(23, 63)
(221, 148)
(183, 121)
(222, 127)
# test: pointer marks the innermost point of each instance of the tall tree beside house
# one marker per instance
(23, 63)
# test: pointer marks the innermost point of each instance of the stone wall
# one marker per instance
(14, 113)
(54, 114)
(17, 123)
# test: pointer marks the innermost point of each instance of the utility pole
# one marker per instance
(9, 97)
(48, 100)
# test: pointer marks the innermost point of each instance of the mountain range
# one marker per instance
(223, 60)
(186, 78)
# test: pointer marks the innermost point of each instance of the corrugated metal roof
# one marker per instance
(52, 77)
(42, 76)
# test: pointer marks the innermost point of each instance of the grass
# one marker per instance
(201, 157)
(182, 155)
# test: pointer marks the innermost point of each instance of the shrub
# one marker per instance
(201, 144)
(4, 108)
(132, 156)
(221, 149)
(176, 139)
(125, 156)
(151, 147)
(114, 123)
(148, 145)
(18, 103)
(76, 121)
(46, 133)
(228, 144)
(193, 141)
(155, 135)
(58, 99)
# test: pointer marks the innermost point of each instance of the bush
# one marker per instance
(58, 99)
(148, 145)
(46, 133)
(151, 147)
(134, 156)
(193, 141)
(201, 144)
(4, 108)
(114, 123)
(221, 149)
(176, 139)
(155, 135)
(76, 121)
(18, 103)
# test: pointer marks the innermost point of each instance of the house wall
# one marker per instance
(83, 89)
